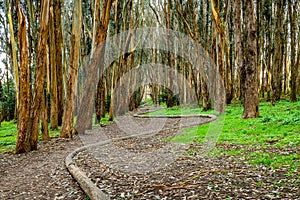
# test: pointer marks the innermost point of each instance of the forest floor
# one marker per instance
(40, 174)
(152, 167)
(145, 167)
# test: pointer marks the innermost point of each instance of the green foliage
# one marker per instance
(105, 119)
(8, 100)
(271, 138)
(163, 97)
(148, 101)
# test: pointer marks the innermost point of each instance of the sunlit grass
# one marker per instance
(277, 128)
(180, 110)
(9, 132)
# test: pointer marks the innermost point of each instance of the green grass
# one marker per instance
(8, 135)
(273, 139)
(103, 120)
(268, 139)
(180, 110)
(148, 101)
(9, 131)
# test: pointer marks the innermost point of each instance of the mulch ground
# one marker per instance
(144, 167)
(40, 174)
(150, 167)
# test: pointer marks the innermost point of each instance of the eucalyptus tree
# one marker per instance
(68, 116)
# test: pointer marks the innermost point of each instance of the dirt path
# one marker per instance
(150, 167)
(39, 174)
(145, 167)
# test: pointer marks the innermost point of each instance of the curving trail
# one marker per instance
(132, 127)
(142, 164)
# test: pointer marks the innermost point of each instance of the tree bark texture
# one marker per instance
(68, 117)
(24, 95)
(251, 101)
(36, 104)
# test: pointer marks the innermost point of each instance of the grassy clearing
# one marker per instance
(273, 139)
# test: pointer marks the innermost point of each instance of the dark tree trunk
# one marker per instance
(278, 56)
(294, 62)
(57, 4)
(251, 102)
(100, 100)
(53, 51)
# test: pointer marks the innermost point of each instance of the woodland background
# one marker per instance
(45, 46)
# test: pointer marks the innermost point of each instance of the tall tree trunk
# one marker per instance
(53, 72)
(258, 43)
(251, 102)
(294, 63)
(270, 44)
(68, 117)
(278, 56)
(263, 58)
(86, 106)
(100, 100)
(285, 58)
(44, 116)
(170, 58)
(114, 68)
(24, 95)
(112, 96)
(13, 51)
(45, 104)
(196, 35)
(36, 105)
(96, 24)
(57, 4)
(206, 102)
(220, 82)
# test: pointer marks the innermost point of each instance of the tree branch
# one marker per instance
(193, 36)
(156, 14)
